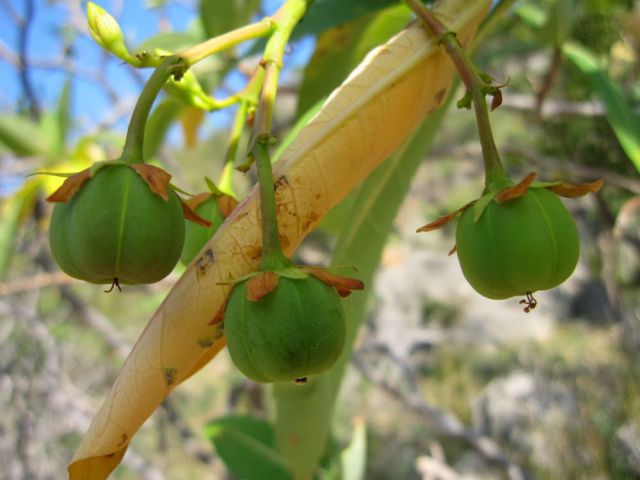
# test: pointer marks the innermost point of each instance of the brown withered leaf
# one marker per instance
(573, 190)
(496, 101)
(516, 191)
(196, 200)
(442, 221)
(343, 285)
(157, 178)
(261, 284)
(227, 204)
(70, 186)
(191, 215)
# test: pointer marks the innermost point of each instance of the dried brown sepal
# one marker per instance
(191, 215)
(442, 221)
(573, 190)
(453, 250)
(516, 191)
(496, 101)
(70, 186)
(157, 178)
(343, 285)
(196, 200)
(227, 204)
(261, 284)
(219, 316)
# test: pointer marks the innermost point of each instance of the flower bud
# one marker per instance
(104, 29)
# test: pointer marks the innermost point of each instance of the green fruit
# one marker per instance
(296, 330)
(523, 245)
(197, 235)
(115, 229)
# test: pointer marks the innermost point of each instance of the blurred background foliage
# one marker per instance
(442, 384)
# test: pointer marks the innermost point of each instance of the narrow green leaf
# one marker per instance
(63, 117)
(246, 446)
(12, 210)
(354, 458)
(23, 136)
(624, 122)
(325, 14)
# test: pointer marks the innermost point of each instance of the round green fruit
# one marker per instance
(197, 235)
(523, 245)
(116, 230)
(296, 330)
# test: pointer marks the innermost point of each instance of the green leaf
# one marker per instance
(219, 17)
(246, 446)
(63, 117)
(22, 136)
(158, 125)
(624, 122)
(13, 209)
(325, 14)
(354, 458)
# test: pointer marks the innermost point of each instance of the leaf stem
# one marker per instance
(132, 151)
(476, 87)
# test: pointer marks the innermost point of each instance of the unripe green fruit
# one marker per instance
(197, 235)
(296, 330)
(523, 245)
(116, 228)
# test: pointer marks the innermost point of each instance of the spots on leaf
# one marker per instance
(169, 374)
(204, 262)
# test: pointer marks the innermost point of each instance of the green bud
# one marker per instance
(104, 29)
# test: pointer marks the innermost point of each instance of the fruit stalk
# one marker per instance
(476, 87)
(133, 145)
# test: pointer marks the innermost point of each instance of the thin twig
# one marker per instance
(23, 37)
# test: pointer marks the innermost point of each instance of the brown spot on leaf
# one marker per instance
(204, 262)
(284, 241)
(169, 374)
(252, 252)
(70, 186)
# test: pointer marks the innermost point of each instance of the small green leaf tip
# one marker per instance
(104, 29)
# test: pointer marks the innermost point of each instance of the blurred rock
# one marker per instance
(628, 442)
(529, 415)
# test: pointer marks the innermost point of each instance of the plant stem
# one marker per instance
(227, 40)
(272, 255)
(494, 171)
(285, 20)
(132, 151)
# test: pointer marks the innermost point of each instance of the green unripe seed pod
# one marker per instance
(296, 330)
(197, 235)
(115, 229)
(523, 245)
